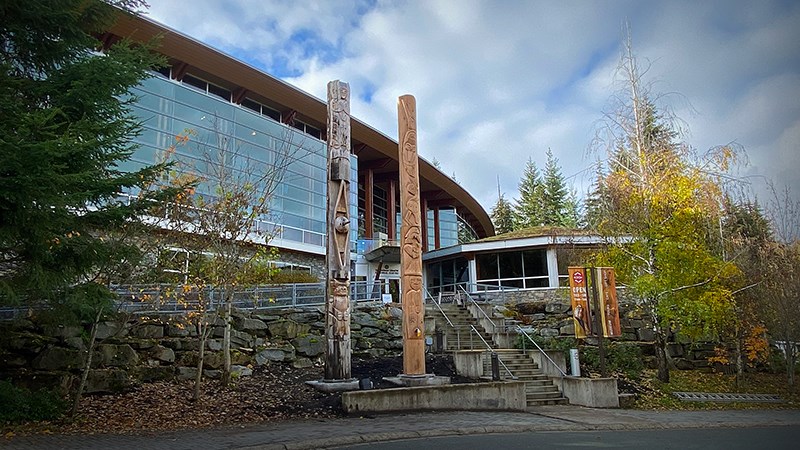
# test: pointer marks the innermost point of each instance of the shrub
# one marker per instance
(292, 276)
(624, 357)
(21, 405)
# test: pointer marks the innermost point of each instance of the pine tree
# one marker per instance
(597, 201)
(65, 127)
(572, 215)
(503, 216)
(529, 209)
(556, 196)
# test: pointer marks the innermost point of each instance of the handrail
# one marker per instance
(449, 322)
(489, 319)
(475, 330)
(520, 330)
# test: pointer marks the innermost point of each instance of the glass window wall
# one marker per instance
(168, 109)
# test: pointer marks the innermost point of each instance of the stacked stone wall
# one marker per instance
(152, 348)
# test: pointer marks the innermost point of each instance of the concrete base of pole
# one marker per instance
(334, 385)
(418, 380)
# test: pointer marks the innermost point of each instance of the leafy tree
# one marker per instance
(503, 216)
(65, 127)
(779, 289)
(743, 232)
(530, 208)
(658, 202)
(223, 220)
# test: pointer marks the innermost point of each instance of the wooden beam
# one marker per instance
(437, 242)
(288, 117)
(369, 209)
(238, 95)
(179, 70)
(424, 214)
(392, 210)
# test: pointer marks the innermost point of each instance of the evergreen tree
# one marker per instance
(503, 216)
(597, 200)
(65, 127)
(572, 215)
(557, 209)
(529, 209)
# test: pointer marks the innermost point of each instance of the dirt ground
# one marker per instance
(275, 392)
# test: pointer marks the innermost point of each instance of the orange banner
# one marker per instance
(609, 309)
(580, 302)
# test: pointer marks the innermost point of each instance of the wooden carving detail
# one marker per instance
(411, 240)
(337, 307)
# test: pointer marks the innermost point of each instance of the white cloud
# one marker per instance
(499, 83)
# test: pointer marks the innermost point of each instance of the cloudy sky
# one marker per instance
(501, 81)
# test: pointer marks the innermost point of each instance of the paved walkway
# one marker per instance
(328, 433)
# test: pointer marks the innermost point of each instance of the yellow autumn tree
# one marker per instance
(656, 203)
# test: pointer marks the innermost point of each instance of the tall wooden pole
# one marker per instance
(337, 306)
(410, 240)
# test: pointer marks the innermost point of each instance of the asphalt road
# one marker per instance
(684, 439)
(561, 426)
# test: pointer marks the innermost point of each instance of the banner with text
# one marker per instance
(609, 309)
(580, 302)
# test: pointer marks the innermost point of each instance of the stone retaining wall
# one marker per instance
(548, 313)
(165, 347)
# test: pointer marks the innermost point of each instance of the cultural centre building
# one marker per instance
(204, 90)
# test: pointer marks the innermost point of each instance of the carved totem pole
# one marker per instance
(410, 240)
(337, 306)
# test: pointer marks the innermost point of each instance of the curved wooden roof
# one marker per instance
(373, 148)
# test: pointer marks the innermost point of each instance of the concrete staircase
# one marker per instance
(459, 336)
(539, 389)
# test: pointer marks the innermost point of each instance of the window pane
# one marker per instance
(535, 263)
(510, 265)
(486, 266)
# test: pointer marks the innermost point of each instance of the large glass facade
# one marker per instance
(169, 108)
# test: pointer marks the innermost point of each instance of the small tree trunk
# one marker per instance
(87, 366)
(661, 356)
(739, 362)
(202, 332)
(226, 341)
(791, 357)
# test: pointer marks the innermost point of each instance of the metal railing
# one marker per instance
(181, 299)
(521, 331)
(478, 307)
(449, 322)
(491, 350)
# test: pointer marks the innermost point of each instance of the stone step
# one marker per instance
(550, 401)
(543, 395)
(543, 387)
(540, 388)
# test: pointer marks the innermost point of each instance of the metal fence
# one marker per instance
(180, 299)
